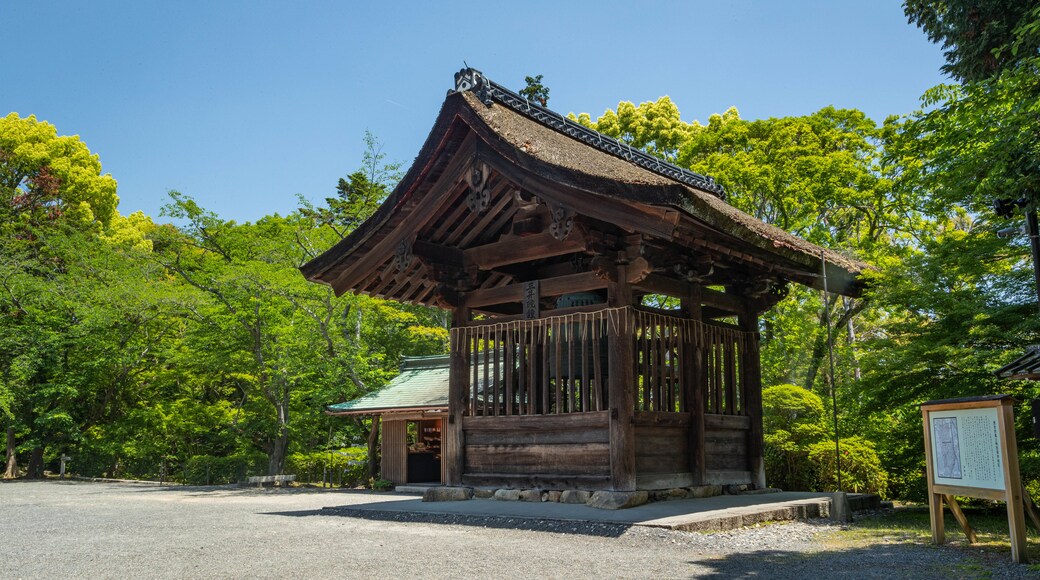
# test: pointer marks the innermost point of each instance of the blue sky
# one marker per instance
(243, 105)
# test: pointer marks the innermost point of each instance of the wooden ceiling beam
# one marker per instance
(525, 249)
(658, 284)
(583, 282)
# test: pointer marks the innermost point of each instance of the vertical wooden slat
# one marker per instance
(496, 387)
(669, 360)
(510, 363)
(473, 345)
(544, 349)
(487, 368)
(584, 365)
(680, 361)
(558, 346)
(570, 367)
(716, 363)
(522, 371)
(731, 375)
(597, 363)
(532, 391)
(644, 335)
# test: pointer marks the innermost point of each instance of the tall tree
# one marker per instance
(979, 38)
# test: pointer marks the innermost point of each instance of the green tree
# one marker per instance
(654, 126)
(980, 38)
(535, 91)
(44, 176)
(359, 194)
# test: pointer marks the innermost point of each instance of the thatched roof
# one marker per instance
(538, 152)
(559, 150)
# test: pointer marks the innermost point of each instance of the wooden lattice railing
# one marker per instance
(559, 364)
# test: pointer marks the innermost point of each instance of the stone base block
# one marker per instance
(448, 494)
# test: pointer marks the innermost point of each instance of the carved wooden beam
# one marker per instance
(583, 282)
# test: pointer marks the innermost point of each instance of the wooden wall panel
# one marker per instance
(539, 450)
(394, 464)
(726, 449)
(662, 442)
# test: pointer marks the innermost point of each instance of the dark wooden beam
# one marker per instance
(526, 249)
(431, 253)
(582, 282)
(658, 284)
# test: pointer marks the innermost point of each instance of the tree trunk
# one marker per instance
(373, 456)
(35, 468)
(12, 458)
(276, 459)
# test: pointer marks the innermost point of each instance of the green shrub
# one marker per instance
(792, 419)
(799, 446)
(210, 470)
(861, 470)
(351, 462)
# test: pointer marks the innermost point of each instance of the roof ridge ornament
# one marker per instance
(474, 81)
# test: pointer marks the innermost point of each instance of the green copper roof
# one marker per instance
(423, 382)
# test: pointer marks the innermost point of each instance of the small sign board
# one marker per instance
(531, 305)
(970, 450)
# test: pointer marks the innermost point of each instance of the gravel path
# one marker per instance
(104, 530)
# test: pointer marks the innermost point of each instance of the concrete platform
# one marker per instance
(722, 512)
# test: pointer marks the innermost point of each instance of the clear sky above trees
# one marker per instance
(243, 105)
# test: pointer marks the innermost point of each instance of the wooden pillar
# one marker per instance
(753, 405)
(693, 382)
(621, 386)
(453, 445)
(373, 443)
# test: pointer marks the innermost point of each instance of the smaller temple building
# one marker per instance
(410, 409)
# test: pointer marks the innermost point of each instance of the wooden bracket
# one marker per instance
(562, 221)
(403, 255)
(479, 198)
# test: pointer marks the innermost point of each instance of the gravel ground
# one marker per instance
(106, 530)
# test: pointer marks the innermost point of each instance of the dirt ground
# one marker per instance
(108, 530)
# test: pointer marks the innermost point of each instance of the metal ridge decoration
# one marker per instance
(488, 91)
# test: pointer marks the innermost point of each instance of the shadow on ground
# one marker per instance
(873, 561)
(583, 528)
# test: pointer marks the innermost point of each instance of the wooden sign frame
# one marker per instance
(978, 457)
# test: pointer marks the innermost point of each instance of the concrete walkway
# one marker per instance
(714, 513)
